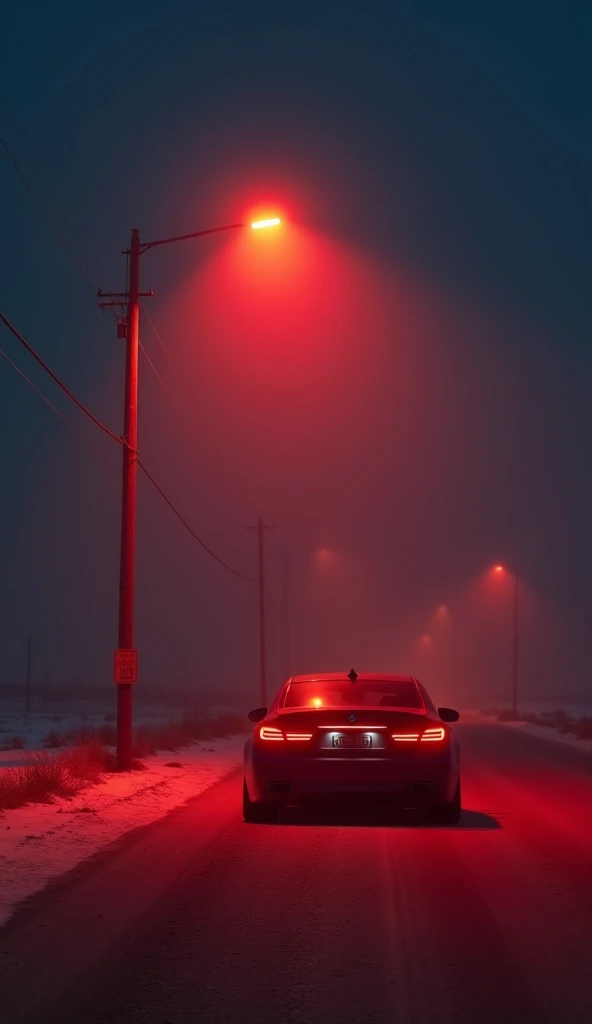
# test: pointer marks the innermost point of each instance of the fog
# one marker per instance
(395, 379)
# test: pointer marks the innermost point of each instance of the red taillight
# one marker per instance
(433, 735)
(267, 732)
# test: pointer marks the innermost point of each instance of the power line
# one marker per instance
(151, 479)
(158, 337)
(154, 370)
(119, 440)
(46, 216)
(54, 408)
(153, 482)
(57, 232)
(180, 407)
(76, 240)
(57, 381)
(35, 388)
(250, 579)
(18, 131)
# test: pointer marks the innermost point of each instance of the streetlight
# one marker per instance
(443, 618)
(500, 571)
(126, 657)
(271, 222)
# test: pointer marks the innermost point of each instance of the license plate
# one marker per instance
(352, 741)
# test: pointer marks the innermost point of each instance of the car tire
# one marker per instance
(447, 813)
(257, 812)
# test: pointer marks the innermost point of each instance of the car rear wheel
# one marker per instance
(257, 812)
(447, 813)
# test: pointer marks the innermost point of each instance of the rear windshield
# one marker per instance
(329, 693)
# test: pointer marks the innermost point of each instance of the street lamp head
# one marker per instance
(498, 570)
(271, 222)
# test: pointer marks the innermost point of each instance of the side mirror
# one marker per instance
(258, 715)
(448, 715)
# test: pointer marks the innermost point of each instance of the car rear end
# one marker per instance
(406, 756)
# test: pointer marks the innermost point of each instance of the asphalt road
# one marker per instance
(201, 918)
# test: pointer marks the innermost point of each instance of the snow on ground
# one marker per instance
(542, 707)
(543, 731)
(40, 841)
(33, 728)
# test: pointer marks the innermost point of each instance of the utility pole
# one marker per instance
(128, 505)
(515, 650)
(452, 651)
(28, 677)
(126, 656)
(286, 614)
(261, 527)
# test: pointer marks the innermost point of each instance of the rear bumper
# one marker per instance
(411, 781)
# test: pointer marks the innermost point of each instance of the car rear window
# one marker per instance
(328, 693)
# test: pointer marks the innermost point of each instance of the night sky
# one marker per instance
(398, 380)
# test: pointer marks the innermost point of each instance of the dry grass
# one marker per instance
(14, 743)
(82, 756)
(173, 735)
(56, 739)
(148, 739)
(86, 734)
(508, 716)
(581, 728)
(45, 776)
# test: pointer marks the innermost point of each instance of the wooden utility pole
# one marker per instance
(286, 614)
(28, 677)
(260, 528)
(515, 650)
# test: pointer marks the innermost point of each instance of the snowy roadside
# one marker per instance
(40, 841)
(542, 731)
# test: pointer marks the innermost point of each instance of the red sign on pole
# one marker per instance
(126, 667)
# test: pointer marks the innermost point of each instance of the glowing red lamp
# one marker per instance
(271, 222)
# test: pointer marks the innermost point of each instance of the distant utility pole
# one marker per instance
(286, 613)
(28, 677)
(261, 527)
(515, 650)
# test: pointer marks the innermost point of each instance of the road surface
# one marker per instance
(201, 918)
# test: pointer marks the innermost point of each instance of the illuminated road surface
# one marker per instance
(201, 918)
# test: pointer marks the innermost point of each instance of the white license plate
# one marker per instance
(363, 740)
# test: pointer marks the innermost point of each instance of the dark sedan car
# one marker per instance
(347, 735)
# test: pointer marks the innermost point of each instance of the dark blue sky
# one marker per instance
(437, 158)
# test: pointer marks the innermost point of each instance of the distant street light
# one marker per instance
(501, 571)
(126, 662)
(443, 618)
(326, 557)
